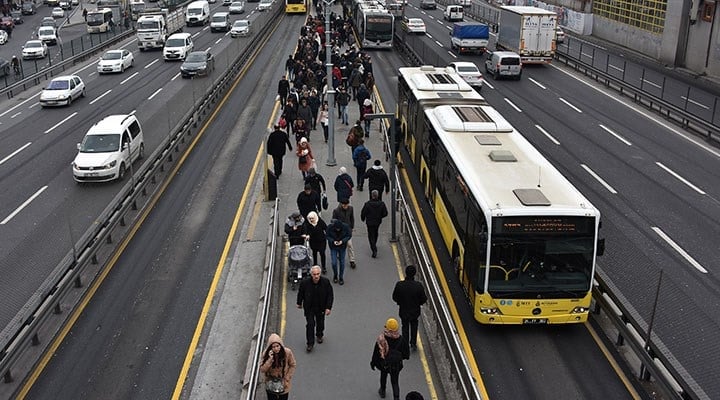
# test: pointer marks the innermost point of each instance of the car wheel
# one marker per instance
(121, 172)
(82, 94)
(141, 153)
(122, 68)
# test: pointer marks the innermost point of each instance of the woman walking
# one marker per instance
(277, 366)
(315, 229)
(388, 354)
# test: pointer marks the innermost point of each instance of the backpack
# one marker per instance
(351, 140)
(393, 360)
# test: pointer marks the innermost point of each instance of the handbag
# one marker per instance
(275, 385)
(303, 159)
(325, 204)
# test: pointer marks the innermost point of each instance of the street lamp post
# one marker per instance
(329, 87)
(391, 116)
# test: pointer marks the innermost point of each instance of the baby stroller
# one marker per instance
(299, 263)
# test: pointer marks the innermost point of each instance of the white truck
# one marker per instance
(529, 32)
(154, 26)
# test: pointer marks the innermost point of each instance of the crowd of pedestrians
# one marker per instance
(301, 94)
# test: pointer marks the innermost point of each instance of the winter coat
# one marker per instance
(344, 186)
(355, 78)
(318, 241)
(294, 235)
(315, 297)
(285, 369)
(338, 231)
(360, 157)
(283, 87)
(308, 158)
(308, 202)
(409, 295)
(305, 113)
(276, 143)
(373, 212)
(345, 215)
(398, 343)
(377, 179)
(362, 94)
(316, 181)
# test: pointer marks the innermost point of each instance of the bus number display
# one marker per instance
(543, 224)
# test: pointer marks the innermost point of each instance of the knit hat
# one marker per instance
(414, 396)
(377, 162)
(410, 271)
(391, 324)
(367, 102)
(303, 139)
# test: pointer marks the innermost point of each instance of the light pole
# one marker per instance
(393, 160)
(329, 87)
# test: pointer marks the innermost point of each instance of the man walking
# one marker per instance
(338, 235)
(308, 200)
(377, 179)
(373, 213)
(283, 89)
(360, 157)
(345, 213)
(409, 295)
(315, 297)
(276, 143)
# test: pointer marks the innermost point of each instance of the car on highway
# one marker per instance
(469, 72)
(559, 35)
(503, 64)
(48, 21)
(115, 61)
(17, 17)
(237, 7)
(48, 35)
(7, 24)
(178, 46)
(413, 25)
(240, 27)
(65, 4)
(227, 2)
(57, 12)
(220, 21)
(264, 5)
(62, 90)
(108, 149)
(28, 8)
(3, 37)
(75, 3)
(428, 4)
(4, 67)
(34, 49)
(197, 63)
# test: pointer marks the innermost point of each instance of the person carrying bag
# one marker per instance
(277, 366)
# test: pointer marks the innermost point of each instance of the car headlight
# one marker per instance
(111, 164)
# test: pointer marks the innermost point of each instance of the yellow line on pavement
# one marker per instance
(613, 363)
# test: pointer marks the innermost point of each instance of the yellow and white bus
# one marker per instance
(523, 240)
(296, 6)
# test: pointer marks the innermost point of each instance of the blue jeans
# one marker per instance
(344, 114)
(335, 254)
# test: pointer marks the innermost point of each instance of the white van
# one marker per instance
(501, 64)
(109, 149)
(220, 21)
(178, 46)
(454, 12)
(197, 13)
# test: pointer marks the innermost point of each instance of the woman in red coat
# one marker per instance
(305, 156)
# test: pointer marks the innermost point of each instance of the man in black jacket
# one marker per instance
(283, 89)
(308, 200)
(373, 213)
(377, 179)
(409, 295)
(276, 143)
(315, 297)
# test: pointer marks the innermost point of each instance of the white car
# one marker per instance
(236, 7)
(61, 91)
(559, 35)
(34, 49)
(178, 46)
(414, 25)
(264, 5)
(47, 34)
(74, 2)
(115, 61)
(65, 4)
(240, 28)
(469, 72)
(3, 37)
(58, 12)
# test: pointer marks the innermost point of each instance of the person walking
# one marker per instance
(343, 185)
(305, 156)
(338, 234)
(316, 181)
(355, 135)
(346, 213)
(315, 229)
(282, 91)
(388, 354)
(367, 108)
(305, 113)
(276, 143)
(315, 297)
(377, 179)
(294, 228)
(323, 117)
(409, 295)
(372, 214)
(343, 99)
(308, 200)
(360, 157)
(278, 367)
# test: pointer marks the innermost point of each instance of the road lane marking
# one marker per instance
(537, 83)
(154, 94)
(486, 83)
(16, 114)
(219, 40)
(153, 62)
(570, 105)
(101, 96)
(679, 249)
(689, 100)
(11, 155)
(616, 68)
(599, 179)
(680, 178)
(652, 83)
(613, 362)
(439, 44)
(512, 105)
(61, 122)
(23, 205)
(620, 138)
(31, 98)
(129, 77)
(549, 136)
(452, 54)
(175, 77)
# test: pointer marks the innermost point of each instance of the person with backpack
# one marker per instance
(388, 354)
(360, 157)
(355, 134)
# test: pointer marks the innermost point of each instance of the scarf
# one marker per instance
(382, 342)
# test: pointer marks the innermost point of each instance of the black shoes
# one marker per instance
(309, 348)
(324, 271)
(374, 254)
(319, 339)
(342, 282)
(413, 346)
(359, 188)
(335, 280)
(352, 264)
(381, 392)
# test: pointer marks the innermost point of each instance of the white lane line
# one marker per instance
(679, 249)
(11, 155)
(101, 96)
(695, 102)
(175, 77)
(680, 178)
(486, 83)
(31, 98)
(599, 179)
(153, 62)
(61, 122)
(512, 104)
(651, 83)
(16, 114)
(129, 77)
(23, 205)
(570, 105)
(620, 138)
(537, 83)
(439, 44)
(452, 54)
(153, 95)
(549, 136)
(219, 40)
(615, 68)
(428, 35)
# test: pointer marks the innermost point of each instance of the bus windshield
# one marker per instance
(379, 28)
(97, 18)
(550, 257)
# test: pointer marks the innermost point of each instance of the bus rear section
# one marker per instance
(295, 6)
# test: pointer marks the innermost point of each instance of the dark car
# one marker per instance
(197, 63)
(4, 67)
(17, 17)
(28, 8)
(7, 24)
(428, 4)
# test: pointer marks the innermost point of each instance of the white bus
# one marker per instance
(99, 20)
(374, 25)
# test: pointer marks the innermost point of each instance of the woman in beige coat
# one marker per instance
(278, 363)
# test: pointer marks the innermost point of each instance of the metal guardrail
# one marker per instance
(70, 279)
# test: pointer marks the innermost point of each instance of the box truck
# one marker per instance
(528, 31)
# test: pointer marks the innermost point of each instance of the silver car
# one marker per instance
(237, 7)
(240, 28)
(61, 91)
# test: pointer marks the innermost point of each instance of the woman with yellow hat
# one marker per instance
(388, 354)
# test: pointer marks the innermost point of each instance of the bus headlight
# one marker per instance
(489, 310)
(579, 310)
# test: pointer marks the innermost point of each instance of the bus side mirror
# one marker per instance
(601, 247)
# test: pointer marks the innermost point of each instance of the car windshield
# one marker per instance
(467, 68)
(175, 43)
(240, 24)
(100, 143)
(33, 44)
(58, 85)
(46, 32)
(218, 19)
(236, 4)
(194, 11)
(195, 57)
(112, 55)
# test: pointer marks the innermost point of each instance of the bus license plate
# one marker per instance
(535, 321)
